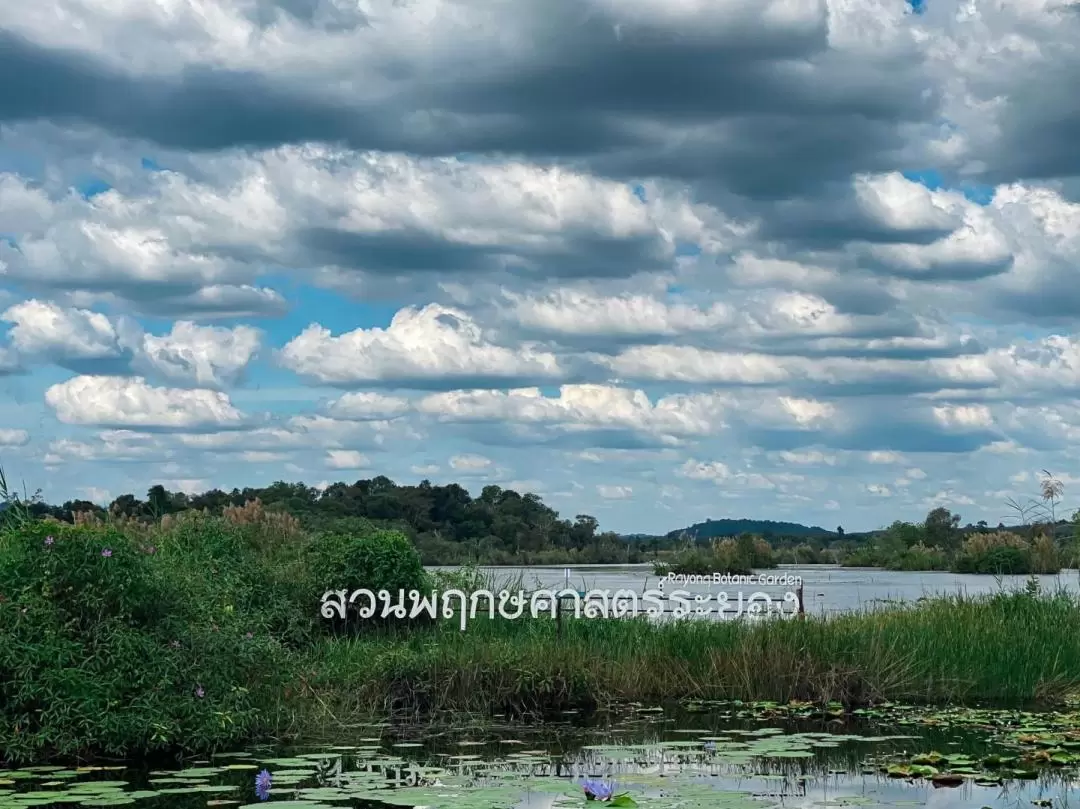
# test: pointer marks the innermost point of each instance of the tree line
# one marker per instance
(446, 523)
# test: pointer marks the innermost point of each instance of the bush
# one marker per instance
(1003, 560)
(376, 559)
(113, 646)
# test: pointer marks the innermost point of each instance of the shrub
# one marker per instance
(1002, 560)
(375, 559)
(113, 646)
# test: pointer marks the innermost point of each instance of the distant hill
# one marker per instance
(765, 528)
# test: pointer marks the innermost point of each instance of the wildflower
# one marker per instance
(49, 541)
(249, 636)
(199, 692)
(596, 790)
(106, 553)
(151, 549)
(175, 644)
(262, 784)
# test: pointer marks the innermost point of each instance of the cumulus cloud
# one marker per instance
(431, 347)
(346, 459)
(132, 402)
(582, 409)
(89, 342)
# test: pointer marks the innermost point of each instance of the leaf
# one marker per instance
(622, 800)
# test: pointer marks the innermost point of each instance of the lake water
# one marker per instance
(826, 588)
(705, 756)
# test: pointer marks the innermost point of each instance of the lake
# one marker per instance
(694, 756)
(827, 588)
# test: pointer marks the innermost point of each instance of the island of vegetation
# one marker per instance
(137, 634)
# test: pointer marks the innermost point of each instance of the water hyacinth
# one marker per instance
(262, 785)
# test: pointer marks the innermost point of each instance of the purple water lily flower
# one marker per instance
(710, 747)
(597, 790)
(262, 785)
(49, 541)
(106, 553)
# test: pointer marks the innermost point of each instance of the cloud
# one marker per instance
(581, 410)
(346, 459)
(90, 342)
(780, 100)
(470, 464)
(131, 402)
(431, 347)
(14, 438)
(208, 356)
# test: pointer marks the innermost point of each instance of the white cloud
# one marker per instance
(206, 356)
(368, 407)
(346, 459)
(430, 345)
(582, 407)
(470, 463)
(43, 328)
(14, 438)
(132, 402)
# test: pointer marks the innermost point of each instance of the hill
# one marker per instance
(764, 528)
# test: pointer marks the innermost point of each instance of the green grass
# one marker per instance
(1014, 648)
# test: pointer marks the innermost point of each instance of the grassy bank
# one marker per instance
(202, 632)
(1006, 648)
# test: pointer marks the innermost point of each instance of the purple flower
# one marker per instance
(596, 790)
(199, 692)
(249, 636)
(106, 553)
(710, 747)
(262, 785)
(49, 541)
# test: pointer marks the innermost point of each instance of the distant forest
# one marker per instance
(449, 526)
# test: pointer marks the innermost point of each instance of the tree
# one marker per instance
(942, 529)
(840, 531)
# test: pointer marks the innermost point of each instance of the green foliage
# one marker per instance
(1001, 561)
(720, 529)
(1006, 647)
(377, 559)
(113, 646)
(447, 524)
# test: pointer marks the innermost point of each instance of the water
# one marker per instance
(827, 588)
(764, 758)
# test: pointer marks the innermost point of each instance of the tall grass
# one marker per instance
(1016, 647)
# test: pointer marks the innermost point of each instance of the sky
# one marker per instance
(653, 260)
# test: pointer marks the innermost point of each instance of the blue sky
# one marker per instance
(646, 267)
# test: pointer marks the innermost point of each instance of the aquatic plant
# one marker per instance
(263, 782)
